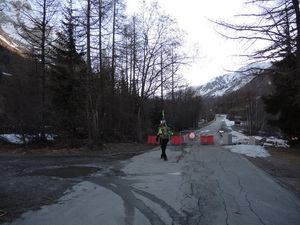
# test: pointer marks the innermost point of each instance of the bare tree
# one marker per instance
(37, 28)
(297, 15)
(157, 40)
(273, 24)
(276, 25)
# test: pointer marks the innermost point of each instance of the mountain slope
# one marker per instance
(9, 37)
(231, 82)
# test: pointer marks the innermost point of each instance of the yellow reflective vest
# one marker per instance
(164, 132)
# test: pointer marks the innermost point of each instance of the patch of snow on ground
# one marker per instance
(12, 138)
(239, 138)
(276, 142)
(229, 123)
(249, 150)
(18, 140)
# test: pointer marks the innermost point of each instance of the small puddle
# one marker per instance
(66, 172)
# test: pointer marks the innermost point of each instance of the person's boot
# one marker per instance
(166, 159)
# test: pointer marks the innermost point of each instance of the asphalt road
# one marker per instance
(200, 184)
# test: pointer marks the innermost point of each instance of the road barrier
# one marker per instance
(227, 139)
(152, 140)
(207, 140)
(180, 140)
(177, 140)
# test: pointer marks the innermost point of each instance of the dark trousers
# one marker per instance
(163, 144)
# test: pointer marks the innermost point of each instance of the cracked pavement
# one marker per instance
(198, 185)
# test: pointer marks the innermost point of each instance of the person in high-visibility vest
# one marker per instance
(163, 134)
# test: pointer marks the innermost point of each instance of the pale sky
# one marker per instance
(216, 53)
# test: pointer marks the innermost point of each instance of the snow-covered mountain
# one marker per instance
(230, 82)
(9, 36)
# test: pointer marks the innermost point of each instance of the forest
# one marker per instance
(89, 72)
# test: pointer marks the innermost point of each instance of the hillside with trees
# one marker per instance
(92, 73)
(276, 26)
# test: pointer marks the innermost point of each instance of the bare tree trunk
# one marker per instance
(38, 36)
(43, 77)
(113, 67)
(139, 125)
(88, 72)
(134, 58)
(297, 13)
(161, 79)
(100, 109)
(100, 35)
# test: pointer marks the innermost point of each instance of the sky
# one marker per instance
(217, 55)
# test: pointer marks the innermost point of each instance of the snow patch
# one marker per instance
(249, 150)
(241, 143)
(275, 142)
(10, 44)
(229, 123)
(12, 138)
(18, 138)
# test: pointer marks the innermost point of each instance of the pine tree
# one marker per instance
(67, 80)
(282, 102)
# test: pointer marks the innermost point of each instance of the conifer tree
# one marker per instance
(282, 102)
(66, 81)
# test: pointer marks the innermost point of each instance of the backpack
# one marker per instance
(165, 132)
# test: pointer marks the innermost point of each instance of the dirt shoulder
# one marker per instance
(283, 164)
(106, 149)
